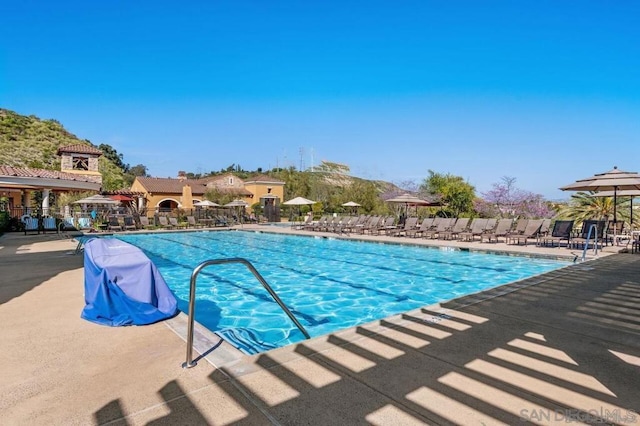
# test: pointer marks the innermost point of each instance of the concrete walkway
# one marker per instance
(557, 348)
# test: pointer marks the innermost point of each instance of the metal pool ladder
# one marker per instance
(192, 301)
(593, 227)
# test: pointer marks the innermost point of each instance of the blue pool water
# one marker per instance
(328, 284)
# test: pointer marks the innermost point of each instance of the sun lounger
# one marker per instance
(411, 224)
(144, 222)
(425, 225)
(191, 222)
(501, 230)
(129, 223)
(530, 232)
(175, 224)
(164, 222)
(461, 225)
(371, 224)
(443, 225)
(114, 224)
(561, 232)
(594, 237)
(476, 228)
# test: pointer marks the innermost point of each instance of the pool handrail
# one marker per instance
(593, 227)
(192, 301)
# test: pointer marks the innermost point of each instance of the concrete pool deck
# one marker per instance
(559, 347)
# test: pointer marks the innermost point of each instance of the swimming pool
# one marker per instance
(328, 284)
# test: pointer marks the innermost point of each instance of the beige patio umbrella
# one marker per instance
(97, 199)
(299, 201)
(237, 203)
(614, 180)
(408, 200)
(352, 204)
(206, 203)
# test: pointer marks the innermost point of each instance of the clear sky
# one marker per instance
(544, 91)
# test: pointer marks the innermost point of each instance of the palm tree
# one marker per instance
(584, 205)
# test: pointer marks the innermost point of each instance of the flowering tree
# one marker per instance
(505, 200)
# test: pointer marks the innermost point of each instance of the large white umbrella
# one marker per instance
(97, 199)
(351, 204)
(298, 201)
(206, 203)
(614, 180)
(237, 203)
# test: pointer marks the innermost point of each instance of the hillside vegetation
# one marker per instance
(28, 141)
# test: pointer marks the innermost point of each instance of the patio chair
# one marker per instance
(502, 229)
(30, 224)
(129, 223)
(191, 222)
(588, 237)
(443, 225)
(614, 233)
(371, 224)
(410, 224)
(530, 232)
(49, 224)
(221, 220)
(477, 227)
(521, 225)
(386, 226)
(175, 224)
(164, 222)
(561, 231)
(144, 222)
(425, 225)
(114, 224)
(461, 225)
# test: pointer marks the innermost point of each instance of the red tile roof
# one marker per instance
(28, 172)
(265, 179)
(171, 186)
(79, 149)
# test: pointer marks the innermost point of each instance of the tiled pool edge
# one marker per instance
(234, 363)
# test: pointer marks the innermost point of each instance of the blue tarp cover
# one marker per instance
(122, 286)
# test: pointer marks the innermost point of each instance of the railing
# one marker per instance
(595, 242)
(192, 299)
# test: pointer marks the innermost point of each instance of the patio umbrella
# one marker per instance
(97, 199)
(120, 197)
(237, 203)
(298, 201)
(352, 204)
(206, 203)
(614, 180)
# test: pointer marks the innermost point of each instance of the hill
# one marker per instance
(28, 141)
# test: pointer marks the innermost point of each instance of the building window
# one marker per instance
(80, 163)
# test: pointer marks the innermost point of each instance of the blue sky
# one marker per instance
(544, 91)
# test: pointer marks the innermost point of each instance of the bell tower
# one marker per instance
(82, 160)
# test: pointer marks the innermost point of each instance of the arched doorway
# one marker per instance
(167, 205)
